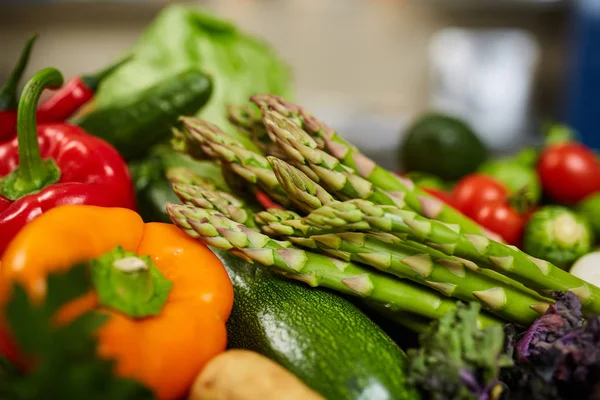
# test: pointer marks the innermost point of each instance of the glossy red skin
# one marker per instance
(569, 172)
(8, 125)
(266, 201)
(474, 189)
(92, 172)
(65, 101)
(441, 195)
(499, 217)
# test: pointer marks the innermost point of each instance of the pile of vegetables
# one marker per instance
(543, 200)
(346, 224)
(169, 232)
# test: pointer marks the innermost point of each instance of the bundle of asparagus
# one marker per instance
(354, 227)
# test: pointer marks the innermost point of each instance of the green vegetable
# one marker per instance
(426, 180)
(184, 36)
(516, 176)
(535, 273)
(153, 188)
(322, 167)
(318, 336)
(136, 122)
(589, 208)
(442, 145)
(214, 229)
(249, 165)
(457, 360)
(68, 366)
(410, 260)
(558, 235)
(526, 157)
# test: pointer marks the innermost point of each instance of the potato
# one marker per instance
(246, 375)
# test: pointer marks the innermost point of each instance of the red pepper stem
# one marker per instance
(93, 81)
(33, 172)
(8, 91)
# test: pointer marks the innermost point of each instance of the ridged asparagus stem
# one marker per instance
(351, 157)
(447, 275)
(360, 215)
(314, 269)
(319, 166)
(301, 190)
(181, 141)
(251, 166)
(248, 121)
(184, 175)
(230, 206)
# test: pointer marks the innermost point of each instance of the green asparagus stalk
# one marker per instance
(181, 142)
(301, 190)
(451, 277)
(249, 165)
(248, 121)
(320, 166)
(349, 156)
(227, 204)
(360, 215)
(184, 175)
(314, 269)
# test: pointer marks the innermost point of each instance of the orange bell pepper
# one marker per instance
(167, 312)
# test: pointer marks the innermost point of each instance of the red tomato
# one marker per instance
(441, 195)
(569, 172)
(266, 201)
(499, 217)
(474, 189)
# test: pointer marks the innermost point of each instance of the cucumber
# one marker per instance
(134, 124)
(320, 337)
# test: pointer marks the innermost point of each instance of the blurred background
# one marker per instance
(368, 67)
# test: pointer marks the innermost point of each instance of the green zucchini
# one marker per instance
(133, 124)
(320, 337)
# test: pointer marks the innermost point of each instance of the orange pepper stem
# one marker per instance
(129, 283)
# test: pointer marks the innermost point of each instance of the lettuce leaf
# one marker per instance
(184, 35)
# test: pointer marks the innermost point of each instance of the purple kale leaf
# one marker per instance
(457, 360)
(558, 357)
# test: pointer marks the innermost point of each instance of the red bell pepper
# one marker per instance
(55, 164)
(69, 98)
(8, 94)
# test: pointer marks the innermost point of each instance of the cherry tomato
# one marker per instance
(474, 189)
(499, 217)
(569, 172)
(266, 201)
(441, 195)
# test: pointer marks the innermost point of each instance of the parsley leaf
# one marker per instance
(67, 365)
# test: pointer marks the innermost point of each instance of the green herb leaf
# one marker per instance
(67, 365)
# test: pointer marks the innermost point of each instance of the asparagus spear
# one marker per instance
(229, 205)
(184, 175)
(349, 156)
(301, 190)
(181, 141)
(294, 182)
(249, 122)
(320, 166)
(314, 269)
(449, 276)
(361, 215)
(251, 166)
